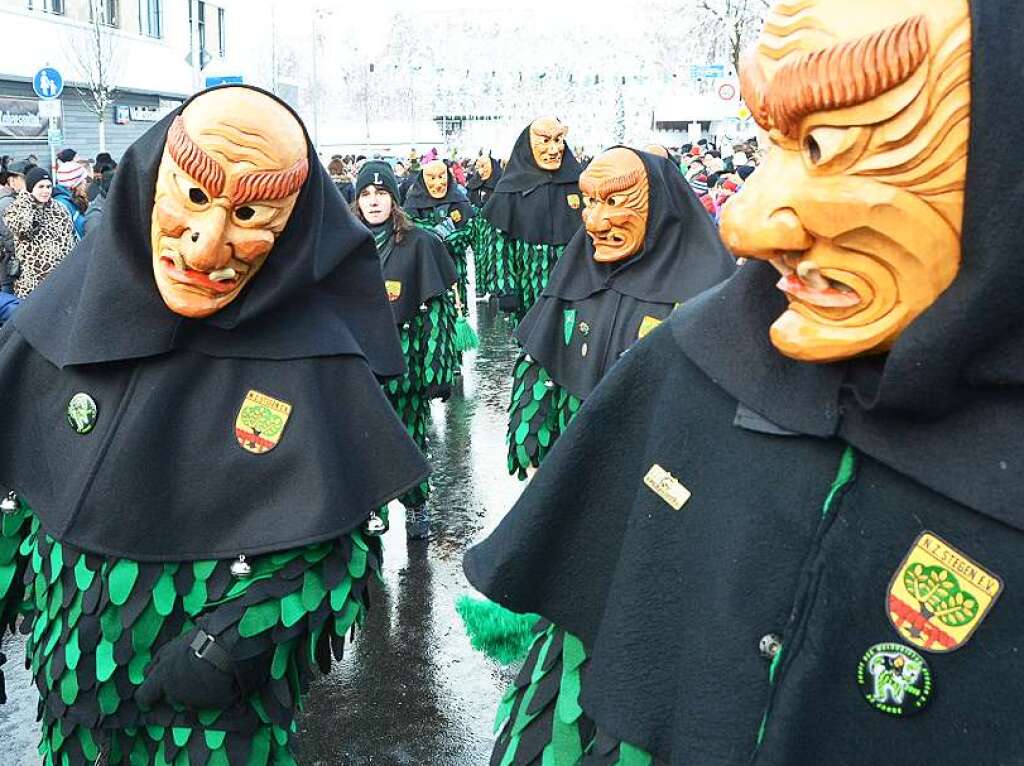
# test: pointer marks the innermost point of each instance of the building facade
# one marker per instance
(141, 49)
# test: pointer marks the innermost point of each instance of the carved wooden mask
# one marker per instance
(547, 142)
(859, 203)
(483, 167)
(617, 193)
(231, 171)
(435, 178)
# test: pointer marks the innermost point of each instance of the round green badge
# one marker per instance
(82, 412)
(895, 679)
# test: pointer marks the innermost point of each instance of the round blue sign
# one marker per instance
(48, 83)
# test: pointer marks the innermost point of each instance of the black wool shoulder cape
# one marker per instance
(603, 308)
(671, 604)
(421, 266)
(418, 202)
(162, 476)
(538, 206)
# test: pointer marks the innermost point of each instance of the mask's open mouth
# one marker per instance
(221, 281)
(803, 279)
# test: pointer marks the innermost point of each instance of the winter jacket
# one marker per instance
(94, 214)
(8, 303)
(64, 197)
(8, 264)
(43, 235)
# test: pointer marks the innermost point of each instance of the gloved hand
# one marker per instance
(197, 671)
(445, 229)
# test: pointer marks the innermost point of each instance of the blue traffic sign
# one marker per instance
(228, 79)
(48, 83)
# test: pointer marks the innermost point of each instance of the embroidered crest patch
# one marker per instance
(938, 597)
(894, 679)
(647, 325)
(573, 200)
(667, 487)
(394, 288)
(82, 413)
(456, 216)
(260, 422)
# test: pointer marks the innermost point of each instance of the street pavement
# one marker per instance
(410, 690)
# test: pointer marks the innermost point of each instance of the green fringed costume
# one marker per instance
(182, 518)
(457, 242)
(514, 268)
(95, 623)
(590, 316)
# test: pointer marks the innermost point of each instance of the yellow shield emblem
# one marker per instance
(938, 597)
(667, 487)
(456, 216)
(574, 201)
(647, 325)
(394, 289)
(260, 422)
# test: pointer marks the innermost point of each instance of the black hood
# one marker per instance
(541, 207)
(319, 293)
(421, 266)
(419, 198)
(522, 174)
(618, 303)
(475, 181)
(682, 254)
(946, 404)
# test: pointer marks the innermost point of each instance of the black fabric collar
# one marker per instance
(476, 182)
(419, 198)
(320, 292)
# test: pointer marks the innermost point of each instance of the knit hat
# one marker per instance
(378, 173)
(66, 155)
(745, 172)
(70, 174)
(34, 176)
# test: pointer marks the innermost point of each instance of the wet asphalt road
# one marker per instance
(411, 690)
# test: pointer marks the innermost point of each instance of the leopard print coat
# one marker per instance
(43, 235)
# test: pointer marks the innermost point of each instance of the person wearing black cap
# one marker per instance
(786, 528)
(532, 214)
(185, 531)
(419, 275)
(42, 230)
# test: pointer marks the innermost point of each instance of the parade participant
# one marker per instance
(646, 247)
(532, 214)
(418, 275)
(435, 203)
(790, 520)
(186, 543)
(482, 183)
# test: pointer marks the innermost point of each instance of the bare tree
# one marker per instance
(94, 52)
(730, 25)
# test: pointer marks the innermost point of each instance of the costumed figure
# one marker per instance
(646, 247)
(786, 528)
(435, 203)
(418, 276)
(196, 438)
(531, 216)
(482, 183)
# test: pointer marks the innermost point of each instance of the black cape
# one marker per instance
(591, 313)
(162, 476)
(671, 604)
(419, 204)
(538, 206)
(481, 190)
(416, 270)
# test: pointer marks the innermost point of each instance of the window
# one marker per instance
(150, 18)
(222, 33)
(203, 55)
(50, 6)
(106, 10)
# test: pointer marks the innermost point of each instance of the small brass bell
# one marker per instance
(241, 568)
(549, 384)
(10, 503)
(375, 525)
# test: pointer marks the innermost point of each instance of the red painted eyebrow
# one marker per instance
(268, 185)
(193, 160)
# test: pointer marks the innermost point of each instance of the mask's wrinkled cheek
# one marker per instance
(251, 244)
(171, 217)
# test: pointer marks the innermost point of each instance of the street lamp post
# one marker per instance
(319, 14)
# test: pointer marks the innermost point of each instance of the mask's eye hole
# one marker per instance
(244, 213)
(198, 196)
(813, 149)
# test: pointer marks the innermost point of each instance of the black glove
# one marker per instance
(3, 688)
(196, 671)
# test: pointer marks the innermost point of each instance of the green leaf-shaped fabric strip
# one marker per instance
(121, 579)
